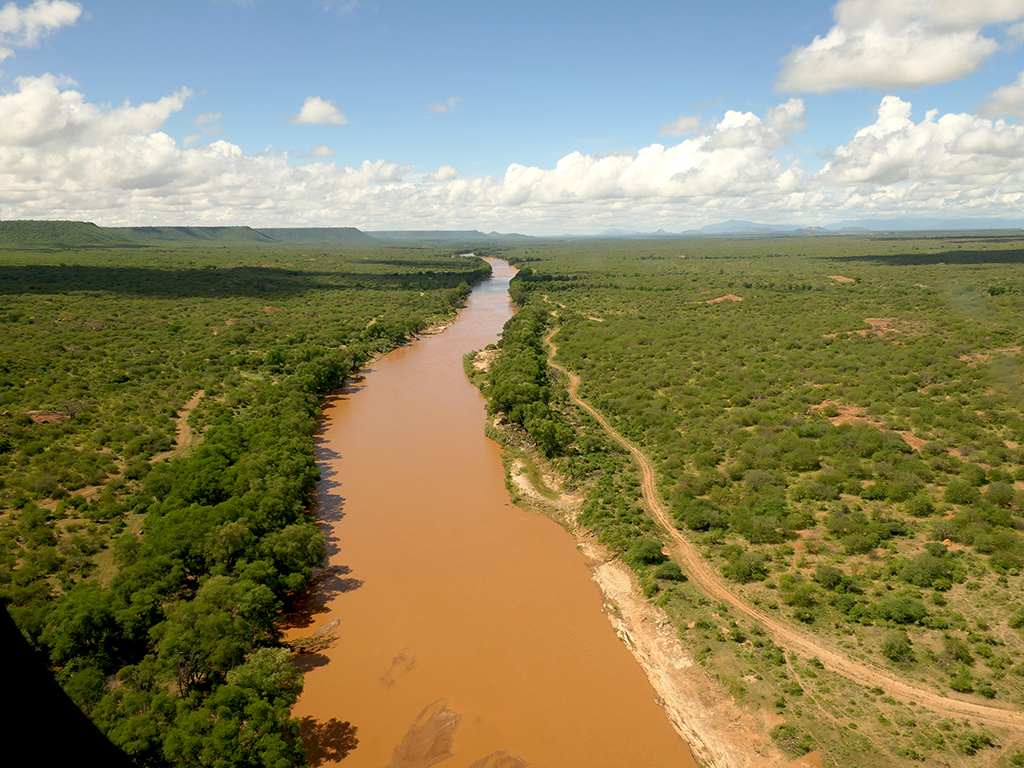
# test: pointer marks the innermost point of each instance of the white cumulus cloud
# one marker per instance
(45, 111)
(442, 174)
(207, 118)
(787, 119)
(1006, 101)
(897, 43)
(317, 111)
(26, 26)
(208, 122)
(684, 125)
(448, 105)
(959, 152)
(322, 150)
(736, 158)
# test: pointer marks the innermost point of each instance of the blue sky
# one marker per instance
(543, 118)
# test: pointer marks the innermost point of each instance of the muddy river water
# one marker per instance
(468, 632)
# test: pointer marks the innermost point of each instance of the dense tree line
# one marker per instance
(520, 382)
(155, 587)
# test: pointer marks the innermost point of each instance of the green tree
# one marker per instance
(896, 647)
(247, 722)
(205, 637)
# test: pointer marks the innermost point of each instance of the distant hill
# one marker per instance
(191, 234)
(57, 234)
(743, 227)
(442, 236)
(319, 235)
(905, 225)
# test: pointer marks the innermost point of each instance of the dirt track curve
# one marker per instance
(789, 637)
(185, 438)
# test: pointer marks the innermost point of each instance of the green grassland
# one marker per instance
(841, 435)
(153, 579)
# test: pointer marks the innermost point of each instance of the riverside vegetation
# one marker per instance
(837, 423)
(152, 575)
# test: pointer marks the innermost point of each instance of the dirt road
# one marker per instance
(185, 437)
(789, 637)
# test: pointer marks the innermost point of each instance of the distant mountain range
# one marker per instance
(190, 234)
(58, 234)
(443, 236)
(848, 227)
(80, 234)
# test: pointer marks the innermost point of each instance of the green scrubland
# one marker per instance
(838, 424)
(154, 577)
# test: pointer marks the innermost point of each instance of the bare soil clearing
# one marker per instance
(727, 297)
(791, 638)
(981, 357)
(855, 414)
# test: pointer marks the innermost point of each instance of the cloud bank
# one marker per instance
(63, 157)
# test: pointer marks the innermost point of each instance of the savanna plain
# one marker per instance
(807, 450)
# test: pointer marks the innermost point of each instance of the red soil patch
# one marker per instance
(982, 356)
(914, 442)
(852, 414)
(46, 417)
(879, 326)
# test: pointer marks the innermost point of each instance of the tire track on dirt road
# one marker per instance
(789, 637)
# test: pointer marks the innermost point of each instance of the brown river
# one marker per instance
(469, 632)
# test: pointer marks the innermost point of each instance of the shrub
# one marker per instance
(803, 596)
(957, 650)
(901, 609)
(669, 571)
(645, 551)
(1000, 493)
(749, 566)
(970, 742)
(926, 569)
(1017, 620)
(828, 576)
(789, 740)
(962, 682)
(701, 515)
(896, 647)
(959, 492)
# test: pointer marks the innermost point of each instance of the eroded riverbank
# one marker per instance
(468, 630)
